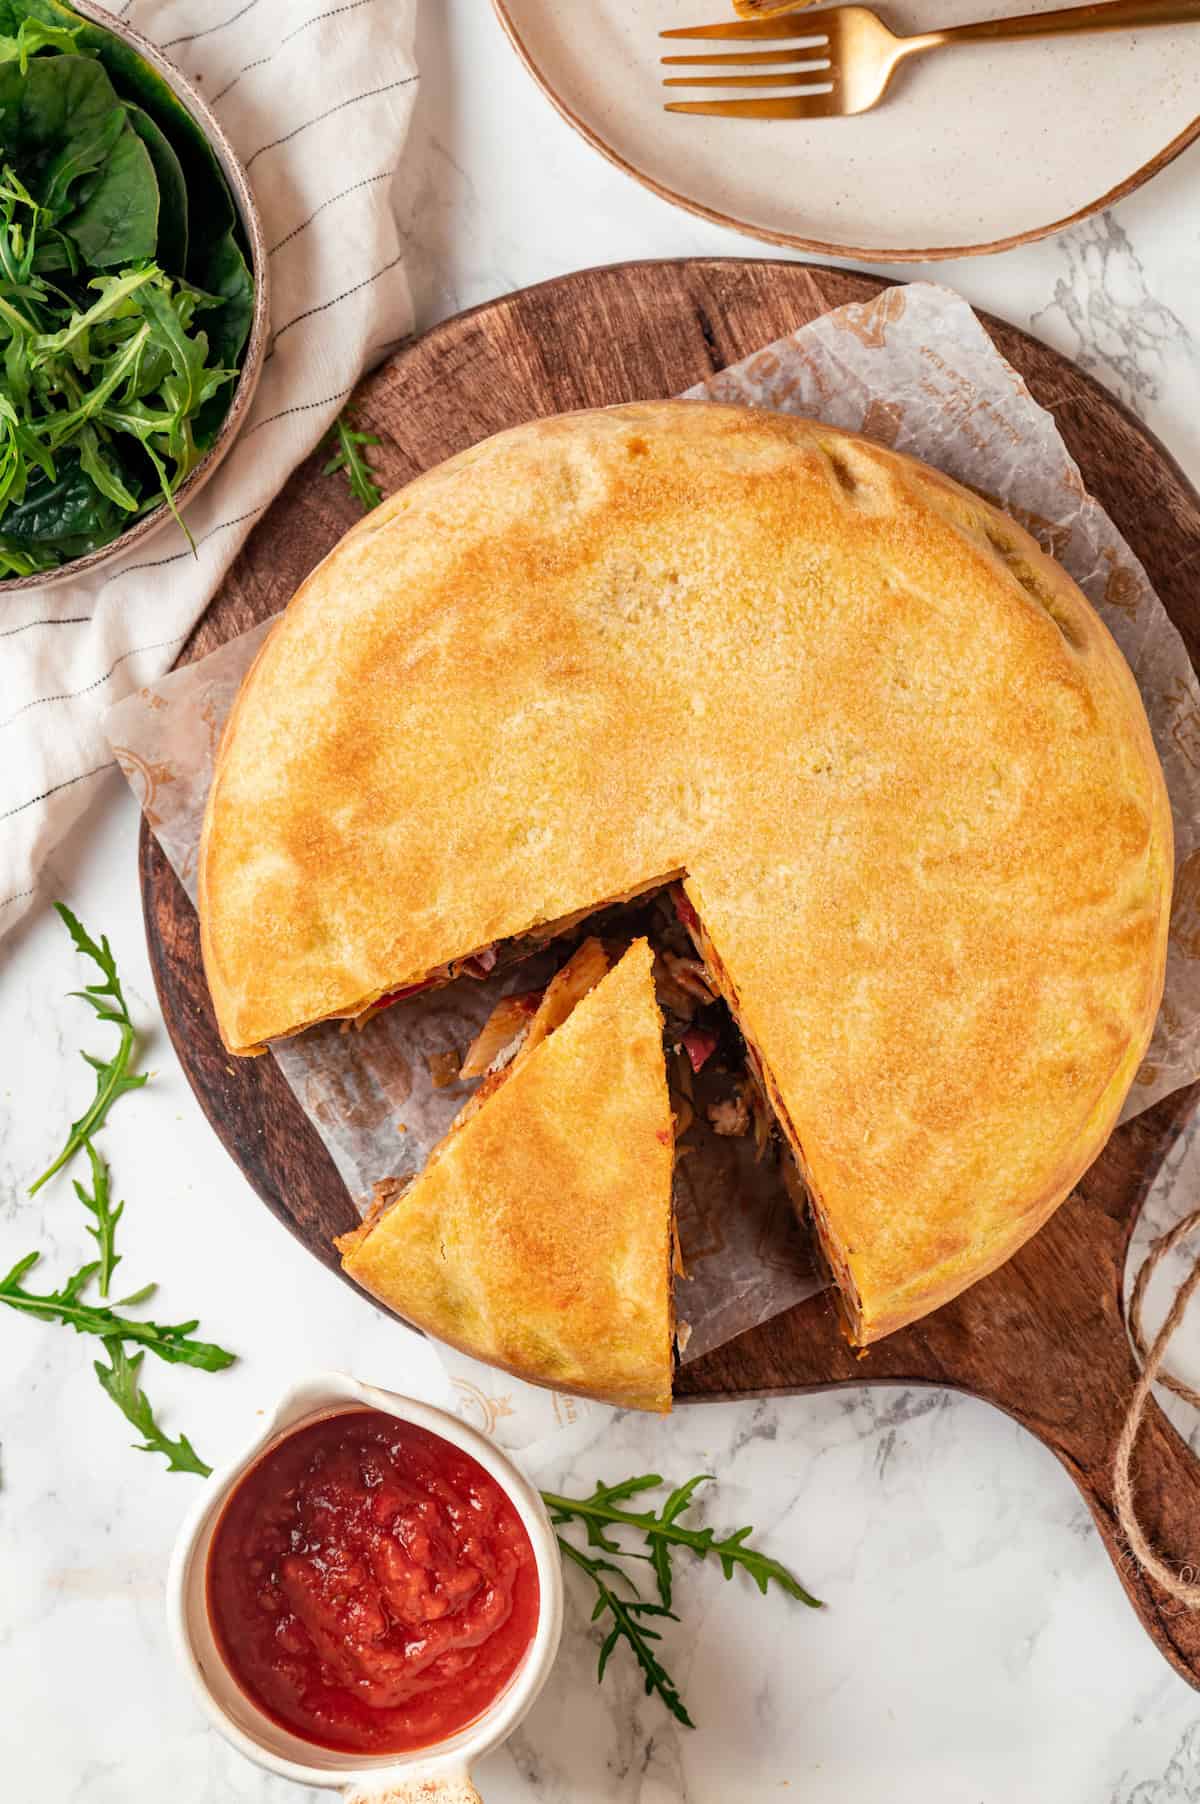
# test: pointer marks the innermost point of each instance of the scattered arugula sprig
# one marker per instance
(113, 1077)
(120, 1379)
(175, 1343)
(628, 1624)
(345, 440)
(98, 1203)
(601, 1513)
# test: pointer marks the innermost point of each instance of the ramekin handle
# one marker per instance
(440, 1787)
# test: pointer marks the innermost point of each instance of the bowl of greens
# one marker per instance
(133, 291)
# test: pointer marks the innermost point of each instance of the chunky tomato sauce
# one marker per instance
(370, 1587)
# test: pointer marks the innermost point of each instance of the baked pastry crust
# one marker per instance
(539, 1235)
(902, 762)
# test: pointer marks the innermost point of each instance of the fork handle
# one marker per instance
(1115, 15)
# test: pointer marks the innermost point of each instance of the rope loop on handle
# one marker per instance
(1184, 1591)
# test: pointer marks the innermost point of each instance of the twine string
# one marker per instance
(1185, 1591)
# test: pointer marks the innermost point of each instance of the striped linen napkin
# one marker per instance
(316, 96)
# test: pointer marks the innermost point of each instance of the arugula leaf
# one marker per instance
(114, 299)
(345, 442)
(95, 462)
(628, 1625)
(31, 37)
(662, 1527)
(121, 1379)
(175, 1343)
(98, 1203)
(191, 382)
(660, 1557)
(18, 449)
(172, 1342)
(601, 1513)
(113, 1078)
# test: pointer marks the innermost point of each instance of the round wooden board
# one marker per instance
(1044, 1338)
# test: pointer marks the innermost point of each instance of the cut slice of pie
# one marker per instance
(539, 1236)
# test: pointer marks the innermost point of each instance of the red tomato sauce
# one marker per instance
(369, 1586)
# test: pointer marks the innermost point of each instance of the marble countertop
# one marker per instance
(977, 1647)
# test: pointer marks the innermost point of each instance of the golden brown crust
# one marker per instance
(901, 760)
(538, 1237)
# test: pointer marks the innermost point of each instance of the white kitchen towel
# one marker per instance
(316, 99)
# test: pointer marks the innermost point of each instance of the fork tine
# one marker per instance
(779, 28)
(743, 58)
(783, 78)
(782, 106)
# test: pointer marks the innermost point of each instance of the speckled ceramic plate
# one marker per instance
(976, 149)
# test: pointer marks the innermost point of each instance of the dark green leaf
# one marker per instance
(107, 996)
(104, 472)
(675, 1505)
(171, 248)
(113, 1078)
(99, 1204)
(628, 1617)
(58, 122)
(731, 1553)
(346, 442)
(64, 510)
(212, 211)
(117, 220)
(227, 279)
(172, 1342)
(122, 1381)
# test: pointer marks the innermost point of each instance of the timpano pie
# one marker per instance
(539, 1235)
(896, 764)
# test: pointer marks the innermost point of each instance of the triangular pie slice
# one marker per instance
(539, 1236)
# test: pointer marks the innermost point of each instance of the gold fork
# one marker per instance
(767, 9)
(853, 56)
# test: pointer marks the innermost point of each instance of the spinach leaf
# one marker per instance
(118, 219)
(58, 122)
(228, 326)
(172, 247)
(212, 211)
(64, 511)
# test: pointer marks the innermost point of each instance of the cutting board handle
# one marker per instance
(1167, 1492)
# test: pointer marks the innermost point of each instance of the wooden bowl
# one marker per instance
(256, 344)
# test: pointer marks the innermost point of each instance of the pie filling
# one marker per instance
(691, 984)
(498, 956)
(763, 1090)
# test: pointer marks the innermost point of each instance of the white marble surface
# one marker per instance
(977, 1648)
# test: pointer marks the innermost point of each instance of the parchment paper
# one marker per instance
(915, 370)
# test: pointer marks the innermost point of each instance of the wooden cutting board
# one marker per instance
(1044, 1338)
